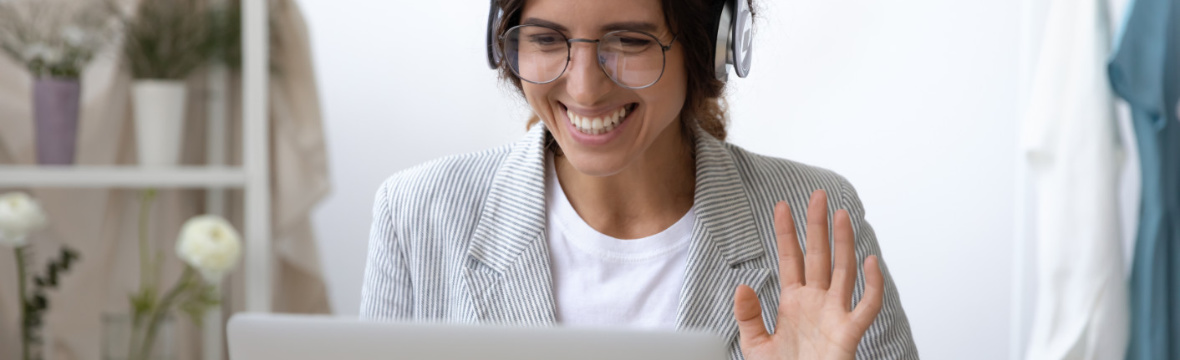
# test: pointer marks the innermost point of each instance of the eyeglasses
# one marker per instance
(539, 55)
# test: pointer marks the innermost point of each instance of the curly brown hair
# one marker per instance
(692, 21)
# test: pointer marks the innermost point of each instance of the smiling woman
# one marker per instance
(694, 21)
(623, 206)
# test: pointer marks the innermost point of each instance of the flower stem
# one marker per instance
(145, 267)
(186, 281)
(147, 283)
(25, 334)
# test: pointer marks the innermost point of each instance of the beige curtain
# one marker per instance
(102, 223)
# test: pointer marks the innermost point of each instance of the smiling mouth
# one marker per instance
(602, 124)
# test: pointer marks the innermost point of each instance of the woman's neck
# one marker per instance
(646, 197)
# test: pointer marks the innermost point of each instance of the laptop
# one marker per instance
(304, 337)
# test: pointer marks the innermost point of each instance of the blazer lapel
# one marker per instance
(726, 248)
(507, 268)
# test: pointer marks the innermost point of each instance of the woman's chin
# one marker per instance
(598, 165)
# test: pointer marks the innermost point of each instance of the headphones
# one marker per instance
(732, 43)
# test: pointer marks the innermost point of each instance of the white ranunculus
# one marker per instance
(210, 245)
(19, 215)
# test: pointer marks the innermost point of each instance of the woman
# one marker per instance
(623, 206)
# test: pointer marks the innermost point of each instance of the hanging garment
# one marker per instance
(1070, 139)
(101, 223)
(1145, 70)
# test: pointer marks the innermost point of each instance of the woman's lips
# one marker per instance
(600, 124)
(600, 129)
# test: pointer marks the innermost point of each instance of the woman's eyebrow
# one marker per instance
(626, 25)
(631, 25)
(545, 23)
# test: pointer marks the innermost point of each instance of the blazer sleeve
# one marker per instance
(387, 290)
(889, 336)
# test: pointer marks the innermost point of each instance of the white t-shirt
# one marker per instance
(599, 280)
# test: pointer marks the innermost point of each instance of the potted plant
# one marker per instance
(165, 41)
(55, 40)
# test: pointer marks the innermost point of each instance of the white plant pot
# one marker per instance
(159, 121)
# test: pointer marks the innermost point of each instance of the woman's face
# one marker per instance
(584, 91)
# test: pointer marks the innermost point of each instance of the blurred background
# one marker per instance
(924, 105)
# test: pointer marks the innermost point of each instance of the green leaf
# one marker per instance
(142, 303)
(200, 298)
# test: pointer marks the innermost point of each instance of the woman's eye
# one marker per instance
(634, 41)
(544, 40)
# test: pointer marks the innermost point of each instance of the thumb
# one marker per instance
(748, 313)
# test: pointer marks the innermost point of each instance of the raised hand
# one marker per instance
(814, 320)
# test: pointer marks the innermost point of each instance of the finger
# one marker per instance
(748, 312)
(844, 271)
(819, 261)
(790, 256)
(870, 303)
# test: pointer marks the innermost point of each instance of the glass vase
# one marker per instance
(119, 338)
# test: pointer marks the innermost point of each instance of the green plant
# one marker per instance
(168, 39)
(227, 37)
(34, 306)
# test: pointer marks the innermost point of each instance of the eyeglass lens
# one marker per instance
(540, 55)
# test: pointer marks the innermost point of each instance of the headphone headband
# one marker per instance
(731, 46)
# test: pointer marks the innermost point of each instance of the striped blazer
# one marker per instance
(462, 239)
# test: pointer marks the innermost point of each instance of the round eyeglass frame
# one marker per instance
(569, 44)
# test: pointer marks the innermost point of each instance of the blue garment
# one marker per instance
(1145, 70)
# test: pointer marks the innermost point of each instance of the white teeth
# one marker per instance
(598, 125)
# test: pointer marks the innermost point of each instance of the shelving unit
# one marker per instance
(253, 177)
(122, 177)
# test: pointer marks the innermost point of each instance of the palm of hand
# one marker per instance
(814, 320)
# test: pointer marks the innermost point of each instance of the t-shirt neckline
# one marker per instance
(585, 238)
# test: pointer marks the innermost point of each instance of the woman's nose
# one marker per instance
(585, 81)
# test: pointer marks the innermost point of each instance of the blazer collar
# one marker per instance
(722, 204)
(725, 249)
(513, 215)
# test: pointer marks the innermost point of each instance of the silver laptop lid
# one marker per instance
(300, 337)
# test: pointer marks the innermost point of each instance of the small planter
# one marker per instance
(159, 121)
(119, 339)
(55, 117)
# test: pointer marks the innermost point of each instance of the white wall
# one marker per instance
(913, 100)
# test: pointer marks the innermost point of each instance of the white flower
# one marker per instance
(74, 36)
(19, 215)
(210, 245)
(53, 55)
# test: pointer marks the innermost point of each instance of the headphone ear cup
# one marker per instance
(721, 47)
(495, 14)
(741, 41)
